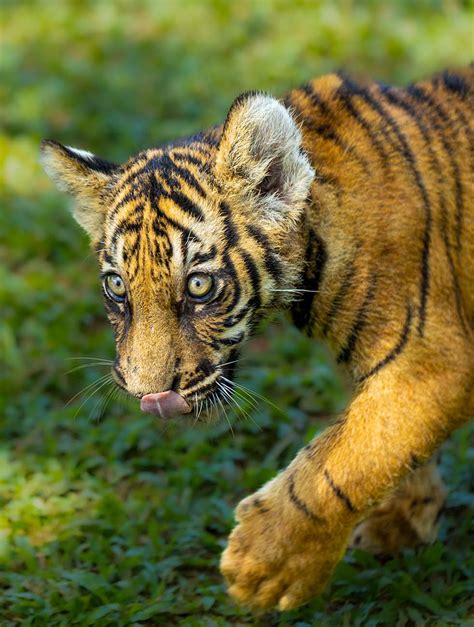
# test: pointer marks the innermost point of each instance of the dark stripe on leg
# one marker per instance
(338, 492)
(299, 504)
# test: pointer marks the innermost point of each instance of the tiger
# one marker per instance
(348, 204)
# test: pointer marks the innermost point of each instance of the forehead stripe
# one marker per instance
(203, 257)
(231, 233)
(170, 169)
(185, 204)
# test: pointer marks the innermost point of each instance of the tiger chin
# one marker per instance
(349, 204)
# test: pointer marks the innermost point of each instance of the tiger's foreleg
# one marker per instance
(294, 530)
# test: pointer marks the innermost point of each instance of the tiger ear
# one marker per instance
(85, 177)
(260, 155)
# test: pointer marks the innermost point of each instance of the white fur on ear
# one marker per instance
(261, 154)
(83, 154)
(82, 175)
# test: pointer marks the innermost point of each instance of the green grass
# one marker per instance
(122, 521)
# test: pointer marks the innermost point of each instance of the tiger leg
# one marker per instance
(294, 530)
(407, 517)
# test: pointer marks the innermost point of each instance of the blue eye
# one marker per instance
(115, 287)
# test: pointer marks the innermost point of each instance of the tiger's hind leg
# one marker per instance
(406, 518)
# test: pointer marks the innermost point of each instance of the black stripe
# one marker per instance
(164, 166)
(344, 94)
(230, 231)
(413, 168)
(254, 276)
(235, 318)
(315, 262)
(177, 377)
(396, 98)
(397, 350)
(299, 504)
(230, 341)
(203, 257)
(203, 390)
(131, 195)
(421, 96)
(339, 493)
(200, 378)
(111, 305)
(230, 268)
(327, 178)
(330, 135)
(327, 132)
(455, 84)
(185, 204)
(123, 227)
(257, 503)
(190, 159)
(315, 98)
(188, 233)
(271, 261)
(229, 369)
(345, 355)
(187, 176)
(338, 301)
(415, 462)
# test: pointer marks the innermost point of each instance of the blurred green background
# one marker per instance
(120, 521)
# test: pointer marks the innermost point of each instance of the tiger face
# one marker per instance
(195, 240)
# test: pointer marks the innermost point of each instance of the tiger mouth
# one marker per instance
(170, 404)
(205, 400)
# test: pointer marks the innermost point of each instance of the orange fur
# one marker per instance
(360, 197)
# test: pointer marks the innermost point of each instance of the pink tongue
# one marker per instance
(164, 404)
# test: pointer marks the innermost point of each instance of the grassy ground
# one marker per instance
(121, 521)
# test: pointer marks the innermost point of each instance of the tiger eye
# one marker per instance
(115, 287)
(200, 285)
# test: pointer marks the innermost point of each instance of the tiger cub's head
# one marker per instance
(195, 241)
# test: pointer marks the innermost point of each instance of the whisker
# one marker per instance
(253, 403)
(107, 397)
(96, 363)
(229, 362)
(295, 290)
(89, 358)
(94, 391)
(253, 393)
(247, 397)
(88, 387)
(231, 398)
(226, 416)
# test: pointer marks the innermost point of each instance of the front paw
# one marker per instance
(280, 554)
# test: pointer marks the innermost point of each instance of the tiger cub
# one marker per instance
(356, 198)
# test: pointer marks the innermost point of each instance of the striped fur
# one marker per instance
(352, 205)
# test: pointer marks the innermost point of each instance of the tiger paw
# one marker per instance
(278, 556)
(406, 518)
